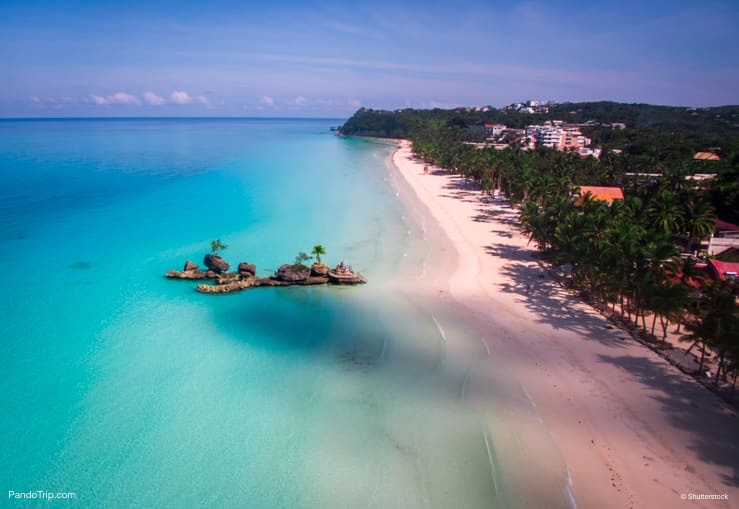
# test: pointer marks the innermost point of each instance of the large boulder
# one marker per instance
(215, 263)
(190, 266)
(247, 269)
(291, 273)
(319, 270)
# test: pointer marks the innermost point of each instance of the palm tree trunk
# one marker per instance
(654, 322)
(665, 323)
(720, 366)
(644, 319)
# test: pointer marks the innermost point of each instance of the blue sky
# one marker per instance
(328, 58)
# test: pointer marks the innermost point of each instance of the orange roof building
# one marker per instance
(602, 193)
(706, 156)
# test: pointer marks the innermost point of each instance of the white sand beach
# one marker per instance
(633, 430)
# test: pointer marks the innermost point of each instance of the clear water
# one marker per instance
(135, 391)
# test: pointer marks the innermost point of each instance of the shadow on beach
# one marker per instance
(546, 299)
(686, 405)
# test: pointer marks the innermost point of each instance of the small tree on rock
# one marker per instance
(300, 260)
(318, 250)
(217, 245)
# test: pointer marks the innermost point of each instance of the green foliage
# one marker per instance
(300, 260)
(317, 251)
(216, 246)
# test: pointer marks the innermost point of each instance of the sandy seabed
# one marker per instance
(633, 431)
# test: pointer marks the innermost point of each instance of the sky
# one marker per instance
(328, 58)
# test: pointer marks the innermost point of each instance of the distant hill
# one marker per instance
(720, 120)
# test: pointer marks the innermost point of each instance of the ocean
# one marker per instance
(131, 390)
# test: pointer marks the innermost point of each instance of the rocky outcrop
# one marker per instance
(292, 273)
(247, 269)
(215, 263)
(191, 274)
(233, 286)
(319, 269)
(286, 275)
(227, 278)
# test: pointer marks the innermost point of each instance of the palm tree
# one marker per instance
(216, 245)
(665, 213)
(700, 221)
(318, 250)
(717, 324)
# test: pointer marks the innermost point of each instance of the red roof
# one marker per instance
(725, 226)
(721, 268)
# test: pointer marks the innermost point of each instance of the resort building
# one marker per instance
(558, 136)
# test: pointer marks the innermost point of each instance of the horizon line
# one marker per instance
(189, 117)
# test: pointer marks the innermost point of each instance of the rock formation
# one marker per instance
(286, 275)
(191, 274)
(216, 263)
(292, 273)
(247, 269)
(319, 269)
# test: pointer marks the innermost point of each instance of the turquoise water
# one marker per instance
(134, 391)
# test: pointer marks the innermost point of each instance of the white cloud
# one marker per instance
(202, 100)
(180, 97)
(117, 98)
(124, 98)
(35, 99)
(267, 100)
(355, 103)
(154, 99)
(300, 100)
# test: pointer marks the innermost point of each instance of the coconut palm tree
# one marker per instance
(318, 250)
(665, 213)
(700, 221)
(718, 323)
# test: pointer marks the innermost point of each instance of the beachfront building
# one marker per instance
(493, 131)
(557, 135)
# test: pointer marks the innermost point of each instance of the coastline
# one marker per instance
(633, 430)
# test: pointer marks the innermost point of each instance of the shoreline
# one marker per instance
(633, 430)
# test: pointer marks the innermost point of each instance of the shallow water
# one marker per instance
(133, 390)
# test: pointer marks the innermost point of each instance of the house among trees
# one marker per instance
(600, 193)
(706, 156)
(721, 271)
(725, 236)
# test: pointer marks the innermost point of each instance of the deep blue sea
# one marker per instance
(132, 390)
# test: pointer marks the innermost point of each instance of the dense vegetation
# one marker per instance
(623, 255)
